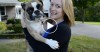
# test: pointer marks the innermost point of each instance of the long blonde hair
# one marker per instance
(69, 11)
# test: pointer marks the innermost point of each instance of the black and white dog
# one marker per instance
(33, 18)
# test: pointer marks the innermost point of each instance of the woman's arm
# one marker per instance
(52, 43)
(62, 35)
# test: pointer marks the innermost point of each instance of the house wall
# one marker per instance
(10, 11)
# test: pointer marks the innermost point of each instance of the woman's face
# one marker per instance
(56, 10)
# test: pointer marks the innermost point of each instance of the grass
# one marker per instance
(84, 44)
(77, 44)
(13, 47)
(93, 23)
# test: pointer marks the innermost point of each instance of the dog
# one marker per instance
(33, 18)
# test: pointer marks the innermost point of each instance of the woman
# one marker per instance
(62, 12)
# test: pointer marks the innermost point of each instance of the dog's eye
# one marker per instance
(30, 10)
(39, 6)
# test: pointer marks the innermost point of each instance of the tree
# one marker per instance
(93, 13)
(82, 5)
(24, 0)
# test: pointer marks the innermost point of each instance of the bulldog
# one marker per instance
(33, 17)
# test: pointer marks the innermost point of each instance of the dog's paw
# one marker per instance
(52, 43)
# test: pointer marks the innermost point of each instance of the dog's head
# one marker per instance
(33, 10)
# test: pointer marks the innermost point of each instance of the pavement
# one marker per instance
(11, 40)
(86, 29)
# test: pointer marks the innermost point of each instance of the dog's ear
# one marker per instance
(41, 1)
(40, 4)
(23, 5)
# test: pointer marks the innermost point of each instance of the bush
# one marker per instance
(10, 21)
(17, 21)
(14, 25)
(17, 28)
(10, 26)
(3, 27)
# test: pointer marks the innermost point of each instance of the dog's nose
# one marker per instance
(37, 12)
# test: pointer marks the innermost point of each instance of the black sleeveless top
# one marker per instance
(62, 35)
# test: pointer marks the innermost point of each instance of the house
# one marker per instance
(12, 9)
(46, 7)
(8, 8)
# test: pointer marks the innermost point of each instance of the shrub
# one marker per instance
(17, 28)
(3, 27)
(14, 25)
(10, 21)
(10, 26)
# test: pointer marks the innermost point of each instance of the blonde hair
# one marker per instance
(69, 11)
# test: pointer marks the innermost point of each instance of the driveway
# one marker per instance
(11, 40)
(85, 29)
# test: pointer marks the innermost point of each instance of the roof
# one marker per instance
(8, 2)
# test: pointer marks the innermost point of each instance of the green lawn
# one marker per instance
(13, 47)
(77, 44)
(84, 44)
(93, 23)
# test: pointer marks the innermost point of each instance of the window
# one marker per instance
(2, 10)
(19, 11)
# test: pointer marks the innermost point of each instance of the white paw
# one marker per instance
(52, 43)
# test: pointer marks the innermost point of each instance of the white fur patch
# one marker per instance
(34, 5)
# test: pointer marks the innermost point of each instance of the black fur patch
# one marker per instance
(39, 6)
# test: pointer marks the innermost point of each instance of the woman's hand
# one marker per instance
(52, 43)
